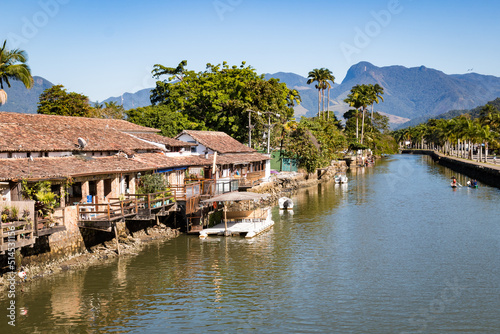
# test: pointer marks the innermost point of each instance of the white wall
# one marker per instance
(4, 193)
(200, 149)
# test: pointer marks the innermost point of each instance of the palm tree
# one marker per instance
(353, 101)
(377, 92)
(13, 66)
(328, 76)
(317, 75)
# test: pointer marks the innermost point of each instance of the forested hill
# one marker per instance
(22, 100)
(421, 91)
(410, 93)
(474, 113)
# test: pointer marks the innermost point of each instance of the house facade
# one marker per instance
(235, 160)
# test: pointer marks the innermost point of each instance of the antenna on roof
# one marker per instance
(81, 143)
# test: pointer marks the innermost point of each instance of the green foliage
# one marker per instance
(315, 143)
(163, 118)
(56, 101)
(40, 192)
(151, 183)
(110, 110)
(219, 97)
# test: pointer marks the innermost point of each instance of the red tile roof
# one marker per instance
(80, 122)
(22, 133)
(169, 142)
(227, 159)
(53, 168)
(218, 141)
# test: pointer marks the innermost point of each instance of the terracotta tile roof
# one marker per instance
(82, 122)
(53, 168)
(218, 141)
(49, 135)
(169, 142)
(162, 161)
(227, 159)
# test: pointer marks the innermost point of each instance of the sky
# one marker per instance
(106, 48)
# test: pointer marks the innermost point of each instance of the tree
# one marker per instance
(328, 77)
(376, 91)
(318, 76)
(161, 117)
(219, 97)
(56, 101)
(13, 67)
(109, 110)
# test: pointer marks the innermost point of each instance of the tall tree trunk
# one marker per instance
(362, 125)
(357, 126)
(328, 106)
(319, 102)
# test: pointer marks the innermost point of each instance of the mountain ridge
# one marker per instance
(409, 93)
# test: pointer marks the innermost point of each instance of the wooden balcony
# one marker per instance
(16, 234)
(102, 216)
(50, 225)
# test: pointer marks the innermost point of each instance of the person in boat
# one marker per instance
(453, 182)
(474, 183)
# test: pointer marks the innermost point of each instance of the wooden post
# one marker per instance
(109, 214)
(116, 238)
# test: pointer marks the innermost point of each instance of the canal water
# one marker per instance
(397, 250)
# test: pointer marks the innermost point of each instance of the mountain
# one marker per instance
(421, 91)
(410, 93)
(132, 100)
(450, 114)
(22, 100)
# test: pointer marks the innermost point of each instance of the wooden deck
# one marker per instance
(16, 234)
(103, 216)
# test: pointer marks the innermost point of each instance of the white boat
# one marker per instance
(285, 203)
(341, 178)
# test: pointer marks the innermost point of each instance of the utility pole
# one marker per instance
(250, 126)
(269, 113)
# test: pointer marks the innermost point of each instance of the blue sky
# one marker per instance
(105, 48)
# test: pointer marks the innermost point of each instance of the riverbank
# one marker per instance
(286, 184)
(484, 172)
(130, 243)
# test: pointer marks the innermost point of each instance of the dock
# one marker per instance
(242, 223)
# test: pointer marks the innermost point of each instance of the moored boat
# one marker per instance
(285, 203)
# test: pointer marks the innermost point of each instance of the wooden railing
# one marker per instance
(16, 234)
(51, 224)
(252, 178)
(182, 192)
(102, 215)
(148, 204)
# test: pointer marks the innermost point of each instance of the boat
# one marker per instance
(453, 185)
(340, 178)
(285, 203)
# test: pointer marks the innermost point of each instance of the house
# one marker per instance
(95, 165)
(237, 161)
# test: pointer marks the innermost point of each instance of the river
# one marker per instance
(397, 250)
